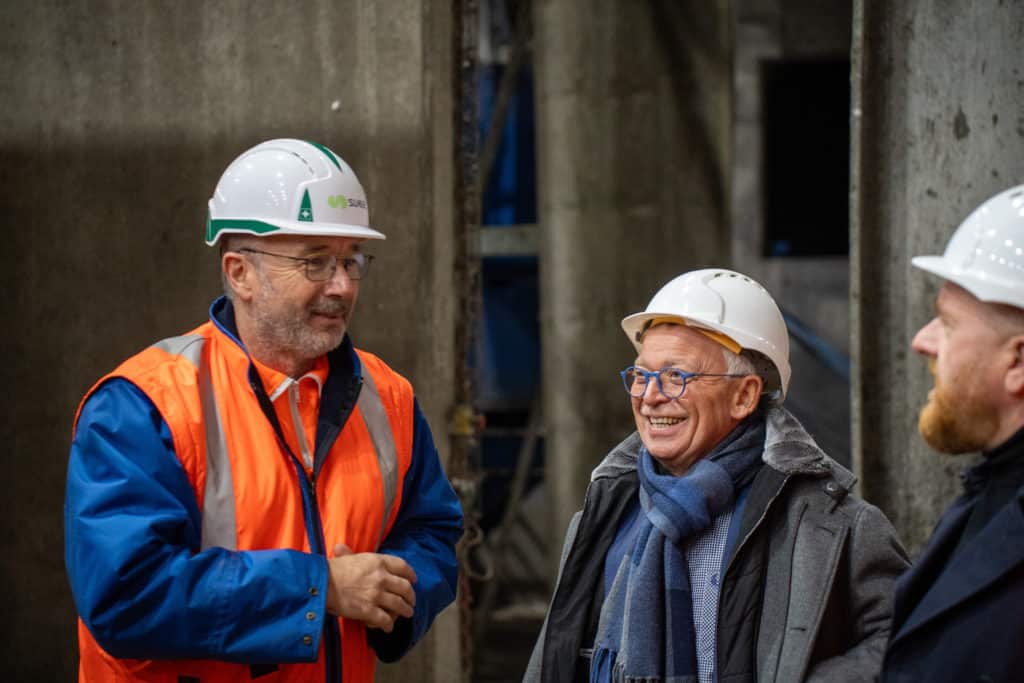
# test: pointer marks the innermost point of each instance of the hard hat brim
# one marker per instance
(993, 290)
(265, 228)
(633, 324)
(936, 265)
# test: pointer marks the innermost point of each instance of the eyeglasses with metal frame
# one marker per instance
(323, 267)
(671, 382)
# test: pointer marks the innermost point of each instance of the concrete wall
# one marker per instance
(939, 114)
(117, 119)
(633, 144)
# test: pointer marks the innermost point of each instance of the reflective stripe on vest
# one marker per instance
(219, 525)
(372, 410)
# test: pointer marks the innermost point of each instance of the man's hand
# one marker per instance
(369, 587)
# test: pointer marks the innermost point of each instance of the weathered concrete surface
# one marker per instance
(117, 119)
(939, 127)
(634, 114)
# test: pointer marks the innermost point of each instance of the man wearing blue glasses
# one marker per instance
(718, 542)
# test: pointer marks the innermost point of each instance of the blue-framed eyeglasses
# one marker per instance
(671, 381)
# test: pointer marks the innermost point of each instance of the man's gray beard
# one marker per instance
(293, 336)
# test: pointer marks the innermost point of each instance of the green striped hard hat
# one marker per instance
(289, 187)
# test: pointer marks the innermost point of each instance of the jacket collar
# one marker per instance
(788, 448)
(622, 459)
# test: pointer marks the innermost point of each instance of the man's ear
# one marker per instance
(1013, 380)
(746, 397)
(238, 274)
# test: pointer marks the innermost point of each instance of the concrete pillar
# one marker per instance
(118, 119)
(633, 144)
(938, 113)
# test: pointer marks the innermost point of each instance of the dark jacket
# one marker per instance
(817, 564)
(959, 616)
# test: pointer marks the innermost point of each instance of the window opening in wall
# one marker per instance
(806, 157)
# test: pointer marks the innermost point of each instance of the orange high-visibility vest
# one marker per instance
(247, 489)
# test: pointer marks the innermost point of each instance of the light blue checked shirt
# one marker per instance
(704, 556)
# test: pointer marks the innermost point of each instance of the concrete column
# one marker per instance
(118, 119)
(633, 144)
(938, 113)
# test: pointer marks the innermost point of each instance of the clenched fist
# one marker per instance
(372, 588)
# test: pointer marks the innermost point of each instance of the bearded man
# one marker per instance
(718, 542)
(258, 498)
(959, 613)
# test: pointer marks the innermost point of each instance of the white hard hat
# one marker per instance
(289, 187)
(726, 303)
(985, 255)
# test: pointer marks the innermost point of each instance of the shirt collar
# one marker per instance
(276, 383)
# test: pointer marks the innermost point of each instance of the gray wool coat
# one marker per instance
(832, 563)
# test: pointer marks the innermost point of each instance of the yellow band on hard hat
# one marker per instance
(722, 339)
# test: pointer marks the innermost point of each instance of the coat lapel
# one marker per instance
(914, 583)
(998, 548)
(815, 556)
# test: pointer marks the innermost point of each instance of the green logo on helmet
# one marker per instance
(337, 200)
(306, 209)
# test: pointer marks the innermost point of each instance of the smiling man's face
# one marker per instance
(678, 432)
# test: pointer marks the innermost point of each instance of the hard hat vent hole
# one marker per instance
(312, 171)
(1018, 193)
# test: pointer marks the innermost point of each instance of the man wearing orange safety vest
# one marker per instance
(257, 499)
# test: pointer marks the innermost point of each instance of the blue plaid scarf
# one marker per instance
(646, 633)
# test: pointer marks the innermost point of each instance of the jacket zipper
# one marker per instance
(332, 646)
(317, 543)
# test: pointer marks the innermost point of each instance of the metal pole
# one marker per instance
(463, 468)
